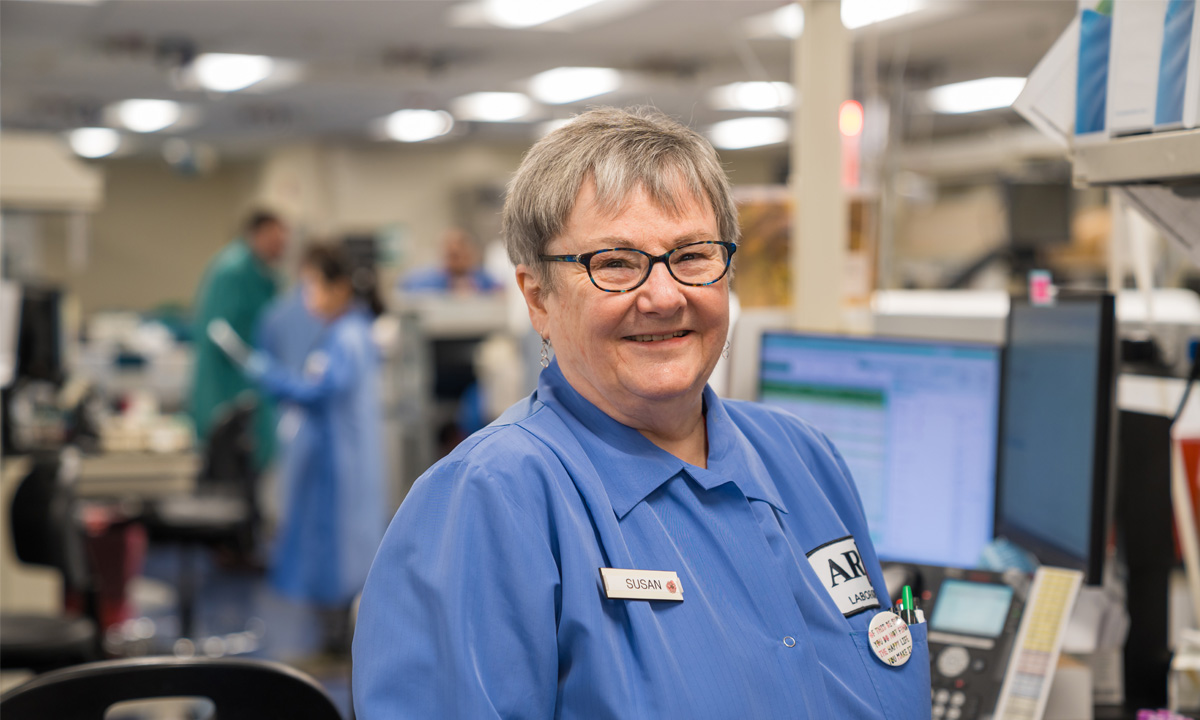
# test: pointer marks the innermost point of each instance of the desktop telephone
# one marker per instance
(979, 621)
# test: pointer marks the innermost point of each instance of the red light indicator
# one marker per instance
(850, 118)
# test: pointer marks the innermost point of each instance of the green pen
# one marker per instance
(906, 605)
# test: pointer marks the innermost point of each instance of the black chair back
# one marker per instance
(44, 525)
(229, 453)
(239, 688)
(46, 531)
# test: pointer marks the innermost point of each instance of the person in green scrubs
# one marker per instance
(237, 286)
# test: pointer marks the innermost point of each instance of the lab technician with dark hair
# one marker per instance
(237, 286)
(332, 510)
(624, 543)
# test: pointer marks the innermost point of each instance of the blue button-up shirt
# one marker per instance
(485, 599)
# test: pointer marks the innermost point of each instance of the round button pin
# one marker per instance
(890, 638)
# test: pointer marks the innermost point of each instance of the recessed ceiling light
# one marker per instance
(788, 21)
(568, 84)
(529, 13)
(418, 125)
(752, 96)
(228, 72)
(860, 13)
(975, 95)
(748, 132)
(492, 106)
(147, 116)
(94, 142)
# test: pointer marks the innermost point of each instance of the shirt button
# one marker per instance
(789, 641)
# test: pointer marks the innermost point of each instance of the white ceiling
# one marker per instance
(61, 62)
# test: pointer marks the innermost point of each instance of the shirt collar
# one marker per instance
(632, 467)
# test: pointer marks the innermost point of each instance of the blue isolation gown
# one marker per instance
(333, 508)
(288, 332)
(486, 600)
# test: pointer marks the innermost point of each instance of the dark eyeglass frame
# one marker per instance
(585, 259)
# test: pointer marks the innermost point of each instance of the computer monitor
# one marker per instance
(39, 341)
(1057, 429)
(917, 423)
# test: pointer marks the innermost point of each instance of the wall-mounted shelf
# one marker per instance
(1155, 157)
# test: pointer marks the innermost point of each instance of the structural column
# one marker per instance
(821, 68)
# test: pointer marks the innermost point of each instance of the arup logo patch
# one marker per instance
(840, 568)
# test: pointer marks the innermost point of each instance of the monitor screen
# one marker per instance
(916, 422)
(39, 341)
(1057, 427)
(973, 608)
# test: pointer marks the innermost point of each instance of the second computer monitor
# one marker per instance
(1058, 425)
(917, 423)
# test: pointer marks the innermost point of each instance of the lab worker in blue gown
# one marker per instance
(288, 332)
(624, 543)
(332, 510)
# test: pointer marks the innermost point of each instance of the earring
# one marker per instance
(725, 350)
(545, 360)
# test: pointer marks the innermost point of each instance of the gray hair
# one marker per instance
(619, 150)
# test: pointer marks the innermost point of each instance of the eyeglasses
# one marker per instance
(623, 269)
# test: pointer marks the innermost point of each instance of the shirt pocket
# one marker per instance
(903, 692)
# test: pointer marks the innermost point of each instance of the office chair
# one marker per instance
(239, 688)
(223, 511)
(45, 532)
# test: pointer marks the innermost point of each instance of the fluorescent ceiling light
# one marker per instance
(753, 96)
(147, 116)
(975, 95)
(787, 22)
(568, 84)
(748, 132)
(529, 13)
(418, 125)
(94, 142)
(492, 106)
(860, 13)
(226, 72)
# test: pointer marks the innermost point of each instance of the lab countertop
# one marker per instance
(137, 474)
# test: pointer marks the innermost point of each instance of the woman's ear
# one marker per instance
(535, 292)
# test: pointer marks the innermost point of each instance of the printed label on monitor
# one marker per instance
(840, 568)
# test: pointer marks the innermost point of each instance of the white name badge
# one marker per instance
(840, 569)
(641, 584)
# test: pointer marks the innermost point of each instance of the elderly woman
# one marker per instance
(624, 543)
